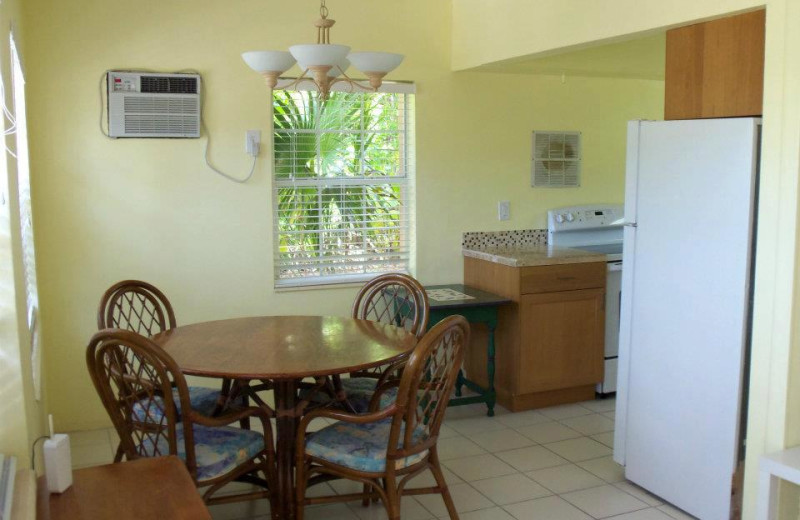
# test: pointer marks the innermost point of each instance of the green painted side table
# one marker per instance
(480, 308)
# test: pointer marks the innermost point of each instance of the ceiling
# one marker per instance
(642, 58)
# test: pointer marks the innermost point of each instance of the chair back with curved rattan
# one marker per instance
(394, 298)
(425, 387)
(134, 378)
(136, 306)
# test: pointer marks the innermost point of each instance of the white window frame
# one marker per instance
(405, 181)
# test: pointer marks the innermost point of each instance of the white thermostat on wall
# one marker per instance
(143, 104)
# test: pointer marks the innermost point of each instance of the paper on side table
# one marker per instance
(447, 295)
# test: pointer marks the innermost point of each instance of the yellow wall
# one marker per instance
(480, 36)
(108, 210)
(487, 32)
(21, 416)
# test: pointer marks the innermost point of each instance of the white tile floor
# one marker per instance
(549, 464)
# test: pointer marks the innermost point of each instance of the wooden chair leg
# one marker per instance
(365, 500)
(392, 497)
(244, 403)
(300, 489)
(375, 496)
(436, 469)
(339, 395)
(224, 393)
(119, 455)
(271, 477)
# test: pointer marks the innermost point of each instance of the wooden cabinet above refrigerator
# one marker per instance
(716, 68)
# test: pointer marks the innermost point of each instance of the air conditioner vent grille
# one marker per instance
(173, 124)
(150, 105)
(168, 85)
(556, 159)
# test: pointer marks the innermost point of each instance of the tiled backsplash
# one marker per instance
(520, 237)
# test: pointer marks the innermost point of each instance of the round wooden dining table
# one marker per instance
(284, 350)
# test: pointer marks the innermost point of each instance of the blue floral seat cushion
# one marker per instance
(360, 446)
(203, 401)
(359, 391)
(218, 450)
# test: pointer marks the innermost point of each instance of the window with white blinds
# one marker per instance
(20, 129)
(341, 186)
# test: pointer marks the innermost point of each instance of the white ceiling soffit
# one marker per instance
(641, 58)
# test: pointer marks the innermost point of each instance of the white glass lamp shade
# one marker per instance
(335, 71)
(383, 62)
(269, 61)
(319, 54)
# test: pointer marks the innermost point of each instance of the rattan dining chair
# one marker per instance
(142, 389)
(140, 307)
(386, 448)
(136, 306)
(393, 298)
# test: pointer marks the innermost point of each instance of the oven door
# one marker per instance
(613, 302)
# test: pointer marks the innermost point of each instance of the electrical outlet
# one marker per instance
(252, 140)
(503, 210)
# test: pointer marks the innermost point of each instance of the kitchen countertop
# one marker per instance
(526, 256)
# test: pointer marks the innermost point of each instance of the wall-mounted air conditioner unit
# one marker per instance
(143, 104)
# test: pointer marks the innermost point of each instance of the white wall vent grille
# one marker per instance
(556, 161)
(153, 105)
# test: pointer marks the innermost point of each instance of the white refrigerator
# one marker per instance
(686, 298)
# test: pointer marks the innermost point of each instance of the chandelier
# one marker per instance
(323, 62)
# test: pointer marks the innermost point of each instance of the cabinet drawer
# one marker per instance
(564, 277)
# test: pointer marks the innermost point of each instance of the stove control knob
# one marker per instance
(560, 218)
(570, 217)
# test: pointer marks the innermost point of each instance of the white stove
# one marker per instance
(597, 228)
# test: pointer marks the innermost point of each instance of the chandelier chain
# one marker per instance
(324, 24)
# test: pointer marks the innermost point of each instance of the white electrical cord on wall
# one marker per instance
(103, 86)
(208, 163)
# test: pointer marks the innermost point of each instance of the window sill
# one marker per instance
(323, 286)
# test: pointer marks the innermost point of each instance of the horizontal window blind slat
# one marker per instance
(397, 180)
(329, 270)
(339, 263)
(345, 230)
(390, 234)
(306, 256)
(376, 266)
(319, 131)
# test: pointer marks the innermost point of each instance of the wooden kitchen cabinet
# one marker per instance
(550, 338)
(562, 334)
(716, 68)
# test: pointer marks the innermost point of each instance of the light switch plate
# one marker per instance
(503, 210)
